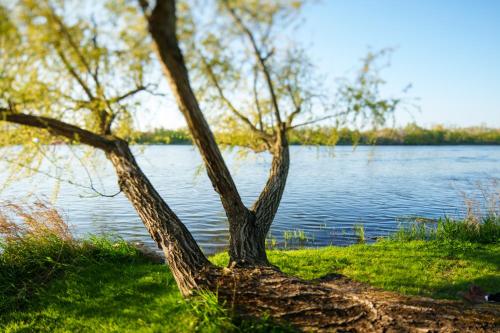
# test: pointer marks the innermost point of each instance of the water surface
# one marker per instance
(328, 190)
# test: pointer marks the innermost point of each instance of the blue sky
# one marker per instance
(449, 50)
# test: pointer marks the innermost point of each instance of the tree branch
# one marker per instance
(71, 132)
(73, 73)
(74, 46)
(230, 105)
(260, 59)
(162, 26)
(266, 206)
(128, 94)
(105, 117)
(256, 99)
(338, 114)
(297, 105)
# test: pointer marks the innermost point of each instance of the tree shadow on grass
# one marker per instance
(119, 295)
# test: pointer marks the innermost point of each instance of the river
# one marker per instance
(329, 191)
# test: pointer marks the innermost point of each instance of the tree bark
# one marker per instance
(266, 206)
(337, 304)
(162, 26)
(185, 259)
(248, 239)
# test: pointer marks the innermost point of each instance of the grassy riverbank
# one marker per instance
(52, 283)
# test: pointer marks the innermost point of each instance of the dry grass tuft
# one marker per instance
(37, 221)
(486, 203)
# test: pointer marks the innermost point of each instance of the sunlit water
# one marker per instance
(328, 192)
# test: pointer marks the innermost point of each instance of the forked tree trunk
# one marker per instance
(247, 242)
(185, 259)
(247, 227)
(248, 237)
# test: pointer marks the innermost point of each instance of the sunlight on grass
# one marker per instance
(50, 282)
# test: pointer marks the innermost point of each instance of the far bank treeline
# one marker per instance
(409, 135)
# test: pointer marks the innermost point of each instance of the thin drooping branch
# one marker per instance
(63, 180)
(162, 26)
(57, 127)
(256, 99)
(261, 59)
(230, 105)
(297, 105)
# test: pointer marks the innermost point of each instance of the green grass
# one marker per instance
(428, 268)
(48, 284)
(100, 285)
(120, 291)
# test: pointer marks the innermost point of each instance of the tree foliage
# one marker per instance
(66, 60)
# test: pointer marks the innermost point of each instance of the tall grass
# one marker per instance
(359, 231)
(36, 245)
(296, 237)
(486, 231)
(481, 223)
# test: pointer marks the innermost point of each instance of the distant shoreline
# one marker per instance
(411, 135)
(345, 144)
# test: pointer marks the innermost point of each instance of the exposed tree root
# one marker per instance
(337, 304)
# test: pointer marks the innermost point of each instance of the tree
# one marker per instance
(75, 78)
(241, 66)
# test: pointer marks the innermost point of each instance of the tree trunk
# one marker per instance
(248, 237)
(162, 26)
(247, 242)
(338, 304)
(185, 259)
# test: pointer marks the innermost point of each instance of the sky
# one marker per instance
(449, 50)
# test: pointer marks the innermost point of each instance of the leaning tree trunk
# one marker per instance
(187, 262)
(185, 259)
